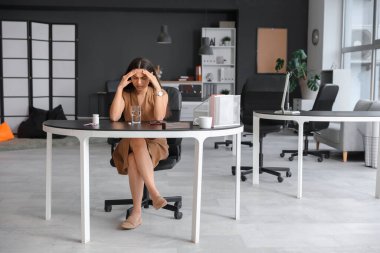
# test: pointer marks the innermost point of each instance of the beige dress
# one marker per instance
(157, 148)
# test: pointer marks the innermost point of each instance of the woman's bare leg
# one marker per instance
(136, 184)
(144, 165)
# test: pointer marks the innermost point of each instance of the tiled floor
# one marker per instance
(338, 212)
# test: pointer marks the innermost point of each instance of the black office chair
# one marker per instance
(255, 97)
(324, 102)
(174, 104)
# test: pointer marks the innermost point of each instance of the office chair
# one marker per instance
(324, 102)
(263, 92)
(174, 104)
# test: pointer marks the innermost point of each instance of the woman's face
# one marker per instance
(140, 81)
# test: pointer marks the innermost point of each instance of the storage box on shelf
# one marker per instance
(218, 70)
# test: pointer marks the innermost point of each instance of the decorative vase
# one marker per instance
(306, 93)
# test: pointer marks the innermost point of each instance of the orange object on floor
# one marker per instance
(5, 132)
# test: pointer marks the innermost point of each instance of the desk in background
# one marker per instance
(108, 129)
(306, 116)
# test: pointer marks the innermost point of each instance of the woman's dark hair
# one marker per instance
(141, 63)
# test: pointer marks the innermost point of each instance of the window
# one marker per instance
(360, 45)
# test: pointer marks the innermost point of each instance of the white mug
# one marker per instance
(95, 119)
(204, 121)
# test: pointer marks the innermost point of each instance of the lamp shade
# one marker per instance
(205, 48)
(164, 37)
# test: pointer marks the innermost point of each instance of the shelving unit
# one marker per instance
(218, 70)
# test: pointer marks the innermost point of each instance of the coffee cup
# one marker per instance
(204, 121)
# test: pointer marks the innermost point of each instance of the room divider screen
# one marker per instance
(38, 68)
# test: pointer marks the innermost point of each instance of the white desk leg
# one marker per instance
(377, 189)
(233, 143)
(237, 177)
(256, 149)
(300, 158)
(85, 189)
(48, 176)
(197, 189)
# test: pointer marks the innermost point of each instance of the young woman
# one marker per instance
(138, 157)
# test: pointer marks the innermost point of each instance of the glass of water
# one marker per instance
(136, 114)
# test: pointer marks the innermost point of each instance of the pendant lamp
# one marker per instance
(164, 37)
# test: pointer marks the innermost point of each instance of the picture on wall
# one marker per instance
(272, 43)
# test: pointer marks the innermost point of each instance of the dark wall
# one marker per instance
(111, 33)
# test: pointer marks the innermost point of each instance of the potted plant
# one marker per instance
(297, 67)
(226, 41)
(225, 92)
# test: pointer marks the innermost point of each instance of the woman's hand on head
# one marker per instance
(152, 78)
(126, 79)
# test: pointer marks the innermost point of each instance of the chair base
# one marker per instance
(245, 170)
(318, 153)
(146, 202)
(229, 142)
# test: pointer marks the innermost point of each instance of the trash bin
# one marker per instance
(371, 144)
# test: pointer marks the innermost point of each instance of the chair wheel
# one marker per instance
(177, 215)
(280, 179)
(291, 158)
(178, 204)
(320, 159)
(243, 178)
(107, 209)
(288, 174)
(233, 170)
(282, 155)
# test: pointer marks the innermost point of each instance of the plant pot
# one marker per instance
(306, 93)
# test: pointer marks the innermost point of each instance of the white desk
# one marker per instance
(124, 130)
(306, 116)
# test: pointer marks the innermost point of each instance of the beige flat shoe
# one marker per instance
(131, 223)
(159, 202)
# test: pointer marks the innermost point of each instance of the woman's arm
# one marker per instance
(160, 102)
(118, 103)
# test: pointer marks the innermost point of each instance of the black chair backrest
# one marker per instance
(263, 92)
(174, 104)
(324, 102)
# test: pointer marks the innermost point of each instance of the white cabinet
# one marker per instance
(218, 70)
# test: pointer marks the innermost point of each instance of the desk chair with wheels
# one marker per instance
(255, 97)
(324, 102)
(174, 104)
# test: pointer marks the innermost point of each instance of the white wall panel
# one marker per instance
(40, 31)
(15, 87)
(64, 50)
(16, 106)
(63, 87)
(40, 87)
(14, 122)
(68, 104)
(40, 49)
(40, 68)
(14, 29)
(42, 103)
(63, 32)
(64, 69)
(15, 68)
(15, 49)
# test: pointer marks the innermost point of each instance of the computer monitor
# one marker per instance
(284, 92)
